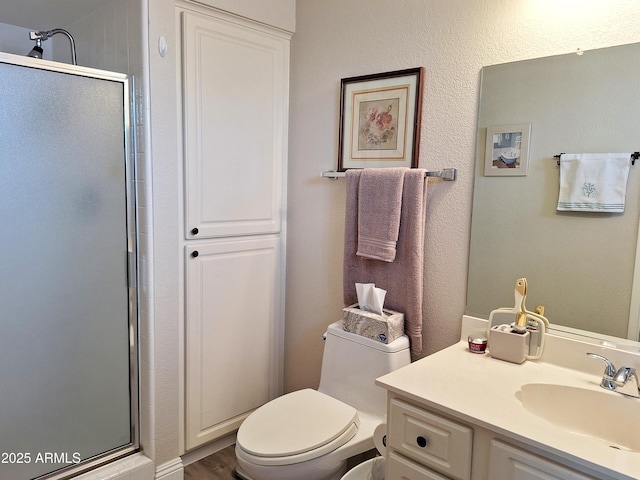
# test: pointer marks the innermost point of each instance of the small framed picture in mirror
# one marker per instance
(507, 151)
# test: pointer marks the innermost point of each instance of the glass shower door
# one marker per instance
(68, 386)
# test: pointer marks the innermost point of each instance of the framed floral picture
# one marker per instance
(507, 151)
(380, 120)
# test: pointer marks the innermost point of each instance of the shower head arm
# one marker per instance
(46, 34)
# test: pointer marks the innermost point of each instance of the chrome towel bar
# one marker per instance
(448, 174)
(634, 157)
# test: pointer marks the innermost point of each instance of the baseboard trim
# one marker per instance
(194, 455)
(172, 470)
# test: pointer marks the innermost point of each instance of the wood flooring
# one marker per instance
(218, 466)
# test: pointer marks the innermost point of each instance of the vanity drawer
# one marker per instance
(400, 468)
(507, 461)
(430, 439)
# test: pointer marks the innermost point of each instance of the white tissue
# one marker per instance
(370, 298)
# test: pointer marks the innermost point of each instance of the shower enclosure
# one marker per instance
(68, 308)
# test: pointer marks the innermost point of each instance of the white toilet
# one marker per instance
(310, 434)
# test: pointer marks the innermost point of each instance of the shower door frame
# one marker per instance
(131, 193)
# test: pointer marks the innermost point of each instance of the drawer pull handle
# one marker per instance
(421, 441)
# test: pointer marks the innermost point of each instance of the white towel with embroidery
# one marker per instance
(593, 182)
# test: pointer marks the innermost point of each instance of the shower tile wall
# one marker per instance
(108, 38)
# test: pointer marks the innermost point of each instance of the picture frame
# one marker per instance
(507, 151)
(380, 118)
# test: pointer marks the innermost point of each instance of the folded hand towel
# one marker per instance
(593, 182)
(379, 205)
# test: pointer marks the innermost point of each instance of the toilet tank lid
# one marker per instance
(399, 344)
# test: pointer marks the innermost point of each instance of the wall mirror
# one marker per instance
(580, 266)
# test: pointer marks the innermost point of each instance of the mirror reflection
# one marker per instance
(580, 266)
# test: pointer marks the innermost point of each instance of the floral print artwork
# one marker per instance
(380, 120)
(378, 125)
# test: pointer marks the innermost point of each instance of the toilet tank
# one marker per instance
(351, 363)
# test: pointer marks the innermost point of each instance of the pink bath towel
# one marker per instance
(380, 194)
(402, 278)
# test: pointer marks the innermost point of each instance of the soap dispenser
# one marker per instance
(524, 338)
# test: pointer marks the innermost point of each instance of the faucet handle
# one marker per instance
(623, 375)
(609, 372)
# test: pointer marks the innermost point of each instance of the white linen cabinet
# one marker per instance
(234, 91)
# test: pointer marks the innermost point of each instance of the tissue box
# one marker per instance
(383, 328)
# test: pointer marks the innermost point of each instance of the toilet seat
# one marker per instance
(297, 427)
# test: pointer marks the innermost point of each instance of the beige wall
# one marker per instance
(452, 39)
(160, 338)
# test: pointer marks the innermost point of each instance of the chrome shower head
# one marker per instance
(37, 51)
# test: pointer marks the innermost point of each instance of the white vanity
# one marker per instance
(466, 416)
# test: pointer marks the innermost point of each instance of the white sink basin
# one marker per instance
(607, 416)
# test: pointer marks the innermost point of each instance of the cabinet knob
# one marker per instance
(421, 441)
(194, 231)
(195, 253)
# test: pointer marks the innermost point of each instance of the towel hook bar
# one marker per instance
(448, 174)
(634, 157)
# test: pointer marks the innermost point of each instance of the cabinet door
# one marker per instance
(233, 337)
(235, 100)
(506, 461)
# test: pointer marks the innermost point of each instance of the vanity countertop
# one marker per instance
(482, 390)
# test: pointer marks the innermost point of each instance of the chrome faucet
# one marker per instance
(613, 379)
(609, 372)
(623, 375)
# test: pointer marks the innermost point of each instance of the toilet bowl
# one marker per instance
(310, 434)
